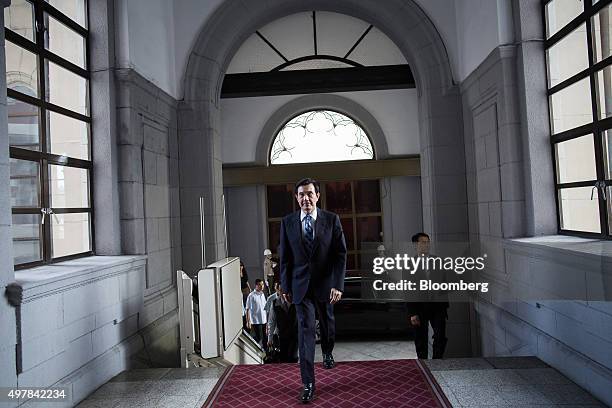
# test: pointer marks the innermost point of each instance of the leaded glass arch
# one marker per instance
(320, 136)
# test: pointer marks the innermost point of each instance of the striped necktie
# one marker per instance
(308, 233)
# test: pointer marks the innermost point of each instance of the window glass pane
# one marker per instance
(70, 234)
(69, 187)
(338, 197)
(560, 67)
(571, 106)
(23, 125)
(19, 17)
(25, 183)
(26, 238)
(607, 151)
(603, 88)
(67, 89)
(369, 229)
(602, 28)
(66, 43)
(75, 9)
(68, 136)
(561, 12)
(578, 211)
(280, 200)
(367, 196)
(576, 160)
(320, 136)
(609, 209)
(21, 70)
(349, 232)
(274, 236)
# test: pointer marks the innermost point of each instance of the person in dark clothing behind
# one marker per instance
(282, 328)
(430, 309)
(245, 287)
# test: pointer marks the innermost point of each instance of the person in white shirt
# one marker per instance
(256, 314)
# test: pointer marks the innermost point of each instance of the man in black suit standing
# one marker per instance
(313, 265)
(431, 309)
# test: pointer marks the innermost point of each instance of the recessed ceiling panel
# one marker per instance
(291, 35)
(254, 56)
(377, 49)
(336, 33)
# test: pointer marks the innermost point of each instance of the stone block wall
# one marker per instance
(538, 301)
(79, 322)
(149, 192)
(148, 176)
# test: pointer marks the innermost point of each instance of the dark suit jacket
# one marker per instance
(324, 268)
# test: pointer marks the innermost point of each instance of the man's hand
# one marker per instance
(415, 321)
(14, 294)
(270, 343)
(288, 298)
(334, 296)
(249, 325)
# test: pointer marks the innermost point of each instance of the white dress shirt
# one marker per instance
(255, 305)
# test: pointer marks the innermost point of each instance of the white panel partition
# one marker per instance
(209, 314)
(231, 301)
(217, 307)
(185, 303)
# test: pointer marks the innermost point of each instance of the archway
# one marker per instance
(442, 148)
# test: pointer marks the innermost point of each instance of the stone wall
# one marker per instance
(538, 301)
(79, 322)
(148, 185)
(8, 339)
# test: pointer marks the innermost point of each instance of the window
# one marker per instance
(49, 130)
(357, 203)
(579, 71)
(320, 136)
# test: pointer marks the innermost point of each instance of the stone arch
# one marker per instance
(322, 101)
(405, 23)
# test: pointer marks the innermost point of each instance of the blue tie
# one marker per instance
(308, 233)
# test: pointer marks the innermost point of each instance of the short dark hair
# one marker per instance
(415, 237)
(305, 182)
(257, 281)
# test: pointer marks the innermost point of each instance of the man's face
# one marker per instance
(259, 286)
(422, 246)
(307, 197)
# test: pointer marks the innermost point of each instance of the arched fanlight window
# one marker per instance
(320, 136)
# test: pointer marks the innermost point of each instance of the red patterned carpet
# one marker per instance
(363, 384)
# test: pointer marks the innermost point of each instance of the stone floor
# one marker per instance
(475, 382)
(507, 382)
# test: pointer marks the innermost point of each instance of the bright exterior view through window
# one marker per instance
(320, 136)
(579, 72)
(49, 129)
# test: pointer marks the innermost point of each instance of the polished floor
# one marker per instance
(474, 382)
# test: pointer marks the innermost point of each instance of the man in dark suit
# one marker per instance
(431, 309)
(313, 265)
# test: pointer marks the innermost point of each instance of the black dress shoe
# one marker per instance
(307, 393)
(328, 361)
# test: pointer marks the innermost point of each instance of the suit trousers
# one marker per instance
(258, 332)
(306, 332)
(437, 319)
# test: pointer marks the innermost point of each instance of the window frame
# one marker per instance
(43, 157)
(596, 128)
